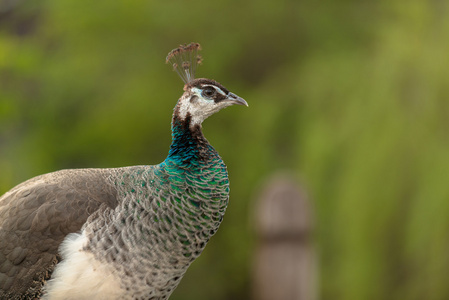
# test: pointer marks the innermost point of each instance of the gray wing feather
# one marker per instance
(35, 217)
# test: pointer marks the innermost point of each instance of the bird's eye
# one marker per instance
(208, 92)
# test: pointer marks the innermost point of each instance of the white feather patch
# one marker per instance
(200, 109)
(80, 276)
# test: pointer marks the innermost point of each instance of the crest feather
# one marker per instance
(185, 60)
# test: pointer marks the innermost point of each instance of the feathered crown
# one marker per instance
(185, 59)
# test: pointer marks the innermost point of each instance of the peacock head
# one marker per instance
(202, 97)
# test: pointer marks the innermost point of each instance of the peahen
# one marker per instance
(123, 233)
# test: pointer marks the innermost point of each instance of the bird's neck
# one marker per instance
(189, 146)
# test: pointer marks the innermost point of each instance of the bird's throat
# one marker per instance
(188, 142)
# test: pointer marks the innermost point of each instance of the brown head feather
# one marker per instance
(184, 60)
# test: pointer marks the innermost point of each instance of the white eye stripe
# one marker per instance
(216, 88)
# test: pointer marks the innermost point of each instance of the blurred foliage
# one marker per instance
(351, 95)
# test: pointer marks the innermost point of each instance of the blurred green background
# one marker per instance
(351, 96)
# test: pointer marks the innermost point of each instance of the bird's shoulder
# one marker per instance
(36, 216)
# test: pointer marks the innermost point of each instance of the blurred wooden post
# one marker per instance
(285, 265)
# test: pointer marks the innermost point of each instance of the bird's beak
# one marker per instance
(234, 99)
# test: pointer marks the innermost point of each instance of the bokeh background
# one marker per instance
(349, 96)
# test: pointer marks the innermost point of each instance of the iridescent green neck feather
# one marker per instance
(189, 146)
